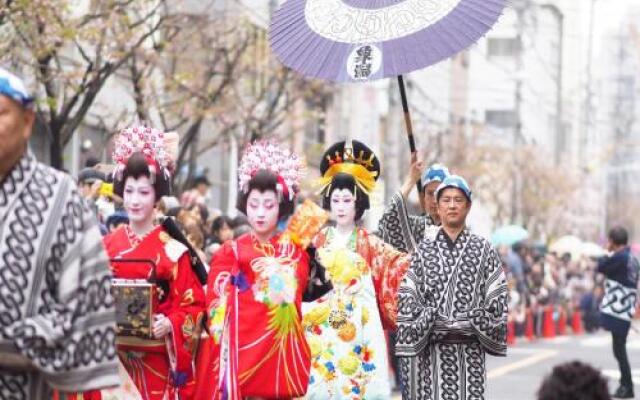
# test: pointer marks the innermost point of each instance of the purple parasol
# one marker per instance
(363, 40)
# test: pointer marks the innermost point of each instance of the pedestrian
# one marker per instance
(255, 289)
(221, 231)
(619, 303)
(345, 327)
(402, 230)
(452, 306)
(117, 219)
(515, 259)
(89, 181)
(574, 381)
(165, 204)
(158, 358)
(198, 194)
(57, 327)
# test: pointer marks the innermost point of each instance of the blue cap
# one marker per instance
(455, 181)
(117, 217)
(435, 173)
(14, 88)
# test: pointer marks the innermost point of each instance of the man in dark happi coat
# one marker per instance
(618, 306)
(402, 230)
(452, 307)
(57, 317)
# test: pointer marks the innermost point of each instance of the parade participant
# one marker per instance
(404, 231)
(452, 306)
(619, 303)
(255, 289)
(58, 319)
(160, 365)
(344, 328)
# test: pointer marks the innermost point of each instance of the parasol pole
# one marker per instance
(407, 122)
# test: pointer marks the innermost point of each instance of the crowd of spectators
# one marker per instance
(537, 279)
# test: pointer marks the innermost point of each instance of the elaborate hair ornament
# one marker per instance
(359, 166)
(269, 155)
(156, 146)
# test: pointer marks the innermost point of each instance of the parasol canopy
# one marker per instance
(590, 249)
(508, 235)
(567, 245)
(364, 40)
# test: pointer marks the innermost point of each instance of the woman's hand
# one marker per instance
(161, 326)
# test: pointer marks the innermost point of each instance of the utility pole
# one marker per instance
(520, 7)
(560, 138)
(588, 106)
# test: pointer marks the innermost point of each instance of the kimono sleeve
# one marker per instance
(416, 310)
(389, 267)
(489, 318)
(71, 338)
(398, 228)
(608, 265)
(218, 288)
(187, 299)
(218, 285)
(318, 284)
(186, 313)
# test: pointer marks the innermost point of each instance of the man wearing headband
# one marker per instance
(58, 320)
(452, 306)
(404, 231)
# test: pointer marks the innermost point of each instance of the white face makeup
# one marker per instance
(139, 199)
(262, 212)
(343, 208)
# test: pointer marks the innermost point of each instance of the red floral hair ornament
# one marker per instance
(269, 155)
(157, 147)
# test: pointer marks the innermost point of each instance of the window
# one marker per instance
(500, 118)
(502, 47)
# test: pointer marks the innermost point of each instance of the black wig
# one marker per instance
(136, 167)
(264, 181)
(338, 153)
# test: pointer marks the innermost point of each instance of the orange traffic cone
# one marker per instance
(562, 322)
(528, 326)
(576, 323)
(548, 327)
(511, 332)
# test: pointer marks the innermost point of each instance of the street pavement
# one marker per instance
(518, 376)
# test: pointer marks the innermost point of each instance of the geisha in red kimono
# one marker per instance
(161, 366)
(257, 347)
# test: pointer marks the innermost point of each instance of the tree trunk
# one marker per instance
(190, 136)
(55, 149)
(193, 160)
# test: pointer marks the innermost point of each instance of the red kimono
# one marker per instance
(161, 367)
(257, 345)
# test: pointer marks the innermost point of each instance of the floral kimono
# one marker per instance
(345, 327)
(160, 368)
(257, 345)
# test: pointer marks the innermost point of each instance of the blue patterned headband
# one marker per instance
(14, 88)
(455, 181)
(435, 173)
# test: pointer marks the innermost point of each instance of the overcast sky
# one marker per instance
(609, 12)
